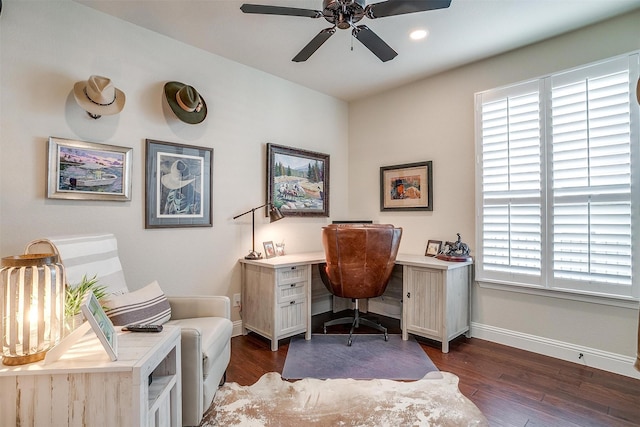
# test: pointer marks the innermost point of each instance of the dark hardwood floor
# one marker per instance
(511, 387)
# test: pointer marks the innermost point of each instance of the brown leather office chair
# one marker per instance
(360, 259)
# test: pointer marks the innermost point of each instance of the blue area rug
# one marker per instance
(369, 357)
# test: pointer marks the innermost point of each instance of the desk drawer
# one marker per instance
(292, 317)
(291, 291)
(288, 275)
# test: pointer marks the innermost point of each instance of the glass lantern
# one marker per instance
(31, 306)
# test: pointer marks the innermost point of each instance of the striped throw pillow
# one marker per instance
(147, 306)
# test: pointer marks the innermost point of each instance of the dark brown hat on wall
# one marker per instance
(186, 102)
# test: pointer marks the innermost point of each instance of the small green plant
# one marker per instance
(75, 295)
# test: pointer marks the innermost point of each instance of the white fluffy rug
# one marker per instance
(272, 401)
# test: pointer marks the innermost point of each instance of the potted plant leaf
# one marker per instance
(74, 296)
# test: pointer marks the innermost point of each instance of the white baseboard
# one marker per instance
(237, 328)
(591, 357)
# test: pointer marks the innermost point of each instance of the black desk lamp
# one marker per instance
(274, 215)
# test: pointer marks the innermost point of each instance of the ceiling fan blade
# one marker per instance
(314, 44)
(278, 10)
(374, 43)
(400, 7)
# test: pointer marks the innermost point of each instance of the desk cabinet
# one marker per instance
(85, 388)
(436, 300)
(276, 296)
(274, 299)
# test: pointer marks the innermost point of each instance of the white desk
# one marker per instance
(276, 296)
(85, 388)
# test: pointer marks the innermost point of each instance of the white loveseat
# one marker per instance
(205, 320)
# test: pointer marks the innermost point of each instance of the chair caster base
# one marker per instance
(355, 323)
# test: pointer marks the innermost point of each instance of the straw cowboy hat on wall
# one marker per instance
(98, 96)
(186, 102)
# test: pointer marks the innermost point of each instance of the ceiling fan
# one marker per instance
(344, 14)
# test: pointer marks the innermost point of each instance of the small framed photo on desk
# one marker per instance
(269, 250)
(433, 248)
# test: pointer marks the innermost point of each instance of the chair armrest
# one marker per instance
(199, 306)
(192, 377)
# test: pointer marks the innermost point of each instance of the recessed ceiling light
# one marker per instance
(418, 34)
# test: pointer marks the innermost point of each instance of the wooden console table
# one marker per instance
(276, 296)
(85, 388)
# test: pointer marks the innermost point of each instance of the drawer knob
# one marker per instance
(293, 268)
(293, 285)
(292, 302)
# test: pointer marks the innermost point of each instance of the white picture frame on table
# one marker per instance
(101, 324)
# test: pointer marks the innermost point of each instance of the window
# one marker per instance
(557, 177)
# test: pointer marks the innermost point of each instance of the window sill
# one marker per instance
(621, 302)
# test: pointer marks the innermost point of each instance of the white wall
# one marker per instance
(46, 46)
(433, 119)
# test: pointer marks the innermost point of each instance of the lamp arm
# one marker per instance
(251, 210)
(274, 215)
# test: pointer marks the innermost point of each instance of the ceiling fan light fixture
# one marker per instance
(418, 34)
(344, 14)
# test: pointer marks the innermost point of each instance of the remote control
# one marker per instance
(143, 328)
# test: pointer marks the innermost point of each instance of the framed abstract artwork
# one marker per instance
(178, 185)
(407, 187)
(80, 170)
(297, 181)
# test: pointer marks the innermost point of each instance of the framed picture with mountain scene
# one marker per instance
(80, 170)
(297, 181)
(407, 187)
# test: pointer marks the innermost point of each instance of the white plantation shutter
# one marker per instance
(556, 205)
(591, 178)
(511, 183)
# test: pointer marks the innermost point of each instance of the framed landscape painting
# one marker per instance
(297, 181)
(407, 187)
(178, 185)
(81, 170)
